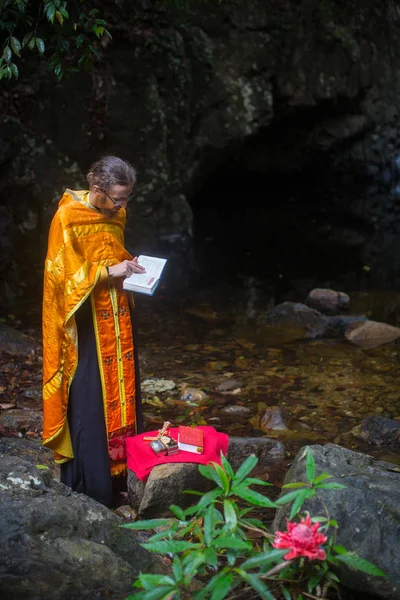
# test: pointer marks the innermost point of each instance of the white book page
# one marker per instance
(153, 266)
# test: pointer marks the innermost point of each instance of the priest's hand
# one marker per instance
(125, 269)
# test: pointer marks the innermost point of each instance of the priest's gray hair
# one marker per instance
(110, 171)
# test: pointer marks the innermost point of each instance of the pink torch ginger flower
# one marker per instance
(302, 539)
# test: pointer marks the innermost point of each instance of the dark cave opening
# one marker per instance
(279, 229)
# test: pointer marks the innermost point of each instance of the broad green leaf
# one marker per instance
(210, 473)
(253, 497)
(162, 535)
(7, 54)
(263, 559)
(230, 514)
(211, 557)
(253, 523)
(209, 524)
(232, 556)
(322, 477)
(315, 578)
(208, 498)
(227, 466)
(192, 562)
(310, 465)
(27, 38)
(290, 496)
(177, 568)
(170, 546)
(15, 45)
(40, 45)
(64, 12)
(360, 564)
(333, 523)
(59, 17)
(177, 511)
(230, 542)
(330, 486)
(296, 484)
(245, 468)
(319, 519)
(31, 43)
(149, 524)
(285, 593)
(222, 476)
(149, 580)
(191, 510)
(199, 595)
(299, 501)
(222, 587)
(340, 549)
(257, 584)
(79, 40)
(332, 576)
(156, 594)
(51, 13)
(14, 70)
(255, 481)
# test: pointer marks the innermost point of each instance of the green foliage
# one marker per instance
(65, 33)
(209, 542)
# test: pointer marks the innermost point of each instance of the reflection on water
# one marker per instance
(320, 390)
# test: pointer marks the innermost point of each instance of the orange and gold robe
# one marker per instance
(82, 243)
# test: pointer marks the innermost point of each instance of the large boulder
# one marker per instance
(60, 545)
(367, 511)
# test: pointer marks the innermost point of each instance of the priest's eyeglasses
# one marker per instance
(120, 202)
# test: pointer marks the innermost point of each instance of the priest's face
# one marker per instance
(110, 201)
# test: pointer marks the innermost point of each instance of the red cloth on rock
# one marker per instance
(141, 458)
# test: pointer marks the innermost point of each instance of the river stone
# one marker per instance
(380, 431)
(295, 315)
(228, 386)
(367, 511)
(337, 325)
(157, 386)
(272, 419)
(371, 334)
(166, 483)
(60, 545)
(327, 301)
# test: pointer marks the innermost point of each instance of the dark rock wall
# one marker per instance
(185, 93)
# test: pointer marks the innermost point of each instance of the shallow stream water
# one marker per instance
(295, 390)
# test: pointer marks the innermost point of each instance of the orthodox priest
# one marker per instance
(91, 384)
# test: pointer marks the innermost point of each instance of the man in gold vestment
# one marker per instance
(91, 387)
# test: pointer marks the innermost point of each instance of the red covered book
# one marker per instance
(191, 439)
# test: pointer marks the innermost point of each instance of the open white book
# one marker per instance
(146, 283)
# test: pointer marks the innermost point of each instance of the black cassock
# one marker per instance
(89, 471)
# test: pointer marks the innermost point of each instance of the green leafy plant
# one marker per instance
(63, 32)
(210, 542)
